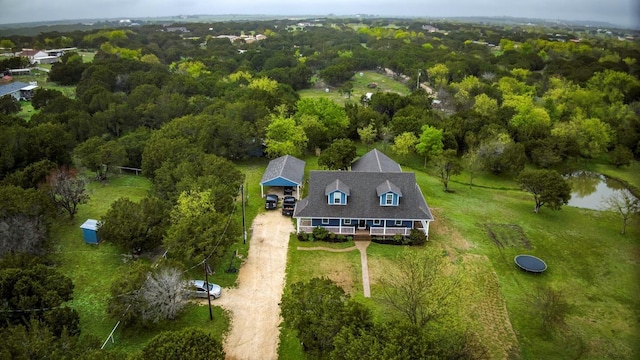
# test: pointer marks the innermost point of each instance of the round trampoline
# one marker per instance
(530, 263)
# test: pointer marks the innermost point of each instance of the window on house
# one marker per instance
(347, 221)
(337, 199)
(398, 223)
(325, 221)
(389, 199)
(377, 222)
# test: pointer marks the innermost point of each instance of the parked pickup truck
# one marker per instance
(271, 202)
(288, 204)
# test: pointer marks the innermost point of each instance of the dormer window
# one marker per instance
(337, 193)
(389, 194)
(388, 199)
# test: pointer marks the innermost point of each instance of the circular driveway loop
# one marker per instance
(255, 314)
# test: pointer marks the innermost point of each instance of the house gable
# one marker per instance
(337, 193)
(388, 193)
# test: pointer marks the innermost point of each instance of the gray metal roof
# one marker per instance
(12, 87)
(287, 167)
(363, 203)
(386, 187)
(375, 161)
(337, 185)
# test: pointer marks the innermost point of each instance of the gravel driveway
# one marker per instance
(255, 314)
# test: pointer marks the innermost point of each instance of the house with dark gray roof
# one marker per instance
(285, 171)
(376, 198)
(375, 161)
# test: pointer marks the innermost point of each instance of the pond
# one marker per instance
(588, 189)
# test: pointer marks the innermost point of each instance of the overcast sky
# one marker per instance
(619, 12)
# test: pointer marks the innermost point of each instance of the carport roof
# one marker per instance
(12, 87)
(286, 167)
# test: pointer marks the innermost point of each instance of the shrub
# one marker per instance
(417, 237)
(303, 236)
(320, 233)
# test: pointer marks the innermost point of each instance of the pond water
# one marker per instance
(588, 190)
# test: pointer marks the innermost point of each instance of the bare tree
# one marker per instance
(164, 294)
(625, 204)
(551, 306)
(67, 190)
(418, 288)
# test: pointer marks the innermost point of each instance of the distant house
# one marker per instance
(29, 54)
(430, 28)
(176, 29)
(375, 199)
(18, 89)
(285, 171)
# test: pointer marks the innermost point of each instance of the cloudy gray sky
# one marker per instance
(620, 12)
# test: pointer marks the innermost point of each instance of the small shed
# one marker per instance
(285, 171)
(90, 231)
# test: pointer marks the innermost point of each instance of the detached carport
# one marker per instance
(282, 172)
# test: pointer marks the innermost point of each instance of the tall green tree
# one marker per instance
(197, 230)
(430, 143)
(37, 292)
(135, 226)
(548, 187)
(339, 155)
(101, 156)
(317, 310)
(404, 144)
(368, 135)
(9, 105)
(284, 137)
(332, 116)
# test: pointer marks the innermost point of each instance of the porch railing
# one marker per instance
(342, 230)
(381, 231)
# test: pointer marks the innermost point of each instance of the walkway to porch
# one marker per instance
(360, 246)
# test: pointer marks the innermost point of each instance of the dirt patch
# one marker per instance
(507, 235)
(442, 229)
(254, 304)
(487, 309)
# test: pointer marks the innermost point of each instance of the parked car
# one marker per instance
(288, 190)
(288, 205)
(271, 202)
(198, 289)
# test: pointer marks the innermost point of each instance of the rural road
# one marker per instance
(255, 314)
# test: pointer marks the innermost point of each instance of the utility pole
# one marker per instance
(418, 82)
(244, 226)
(206, 277)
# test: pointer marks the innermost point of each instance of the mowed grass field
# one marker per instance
(594, 268)
(360, 88)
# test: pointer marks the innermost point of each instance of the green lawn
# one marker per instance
(87, 56)
(481, 230)
(93, 268)
(385, 84)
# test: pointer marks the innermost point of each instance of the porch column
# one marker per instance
(261, 190)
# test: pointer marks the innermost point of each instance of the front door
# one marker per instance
(362, 224)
